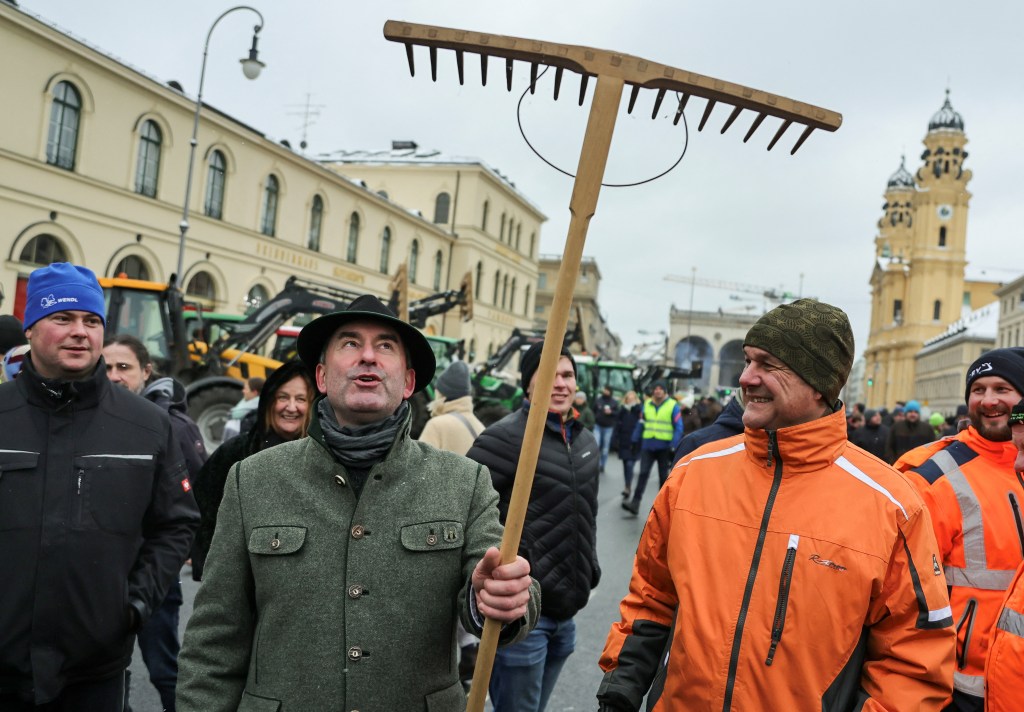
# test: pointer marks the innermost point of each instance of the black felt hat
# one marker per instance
(315, 335)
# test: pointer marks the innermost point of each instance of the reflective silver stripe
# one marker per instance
(739, 447)
(971, 684)
(122, 457)
(984, 579)
(972, 523)
(863, 477)
(941, 614)
(18, 452)
(1012, 622)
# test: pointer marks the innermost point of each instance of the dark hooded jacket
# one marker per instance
(209, 486)
(728, 423)
(170, 396)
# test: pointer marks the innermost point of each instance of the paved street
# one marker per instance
(618, 534)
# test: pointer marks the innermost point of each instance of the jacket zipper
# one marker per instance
(779, 622)
(79, 476)
(734, 658)
(967, 624)
(1020, 525)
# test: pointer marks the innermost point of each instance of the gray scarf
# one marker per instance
(363, 447)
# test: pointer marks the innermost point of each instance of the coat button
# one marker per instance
(356, 590)
(355, 653)
(340, 480)
(275, 543)
(357, 531)
(431, 539)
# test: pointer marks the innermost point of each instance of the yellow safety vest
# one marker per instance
(658, 420)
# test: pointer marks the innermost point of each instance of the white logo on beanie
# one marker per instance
(47, 301)
(983, 368)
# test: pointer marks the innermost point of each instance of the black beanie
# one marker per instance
(531, 360)
(12, 333)
(1007, 364)
(454, 382)
(812, 338)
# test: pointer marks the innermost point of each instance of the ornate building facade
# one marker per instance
(918, 286)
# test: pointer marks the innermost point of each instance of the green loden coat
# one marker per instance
(315, 600)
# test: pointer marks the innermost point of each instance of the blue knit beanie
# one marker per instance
(63, 286)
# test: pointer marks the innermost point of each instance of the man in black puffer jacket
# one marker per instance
(559, 535)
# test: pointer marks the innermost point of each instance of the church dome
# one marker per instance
(946, 118)
(901, 178)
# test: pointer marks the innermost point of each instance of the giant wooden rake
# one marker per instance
(612, 70)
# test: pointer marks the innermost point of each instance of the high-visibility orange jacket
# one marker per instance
(1004, 667)
(975, 499)
(792, 571)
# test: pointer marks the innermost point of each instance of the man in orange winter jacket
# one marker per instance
(785, 568)
(975, 500)
(1004, 673)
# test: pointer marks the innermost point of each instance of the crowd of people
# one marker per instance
(799, 554)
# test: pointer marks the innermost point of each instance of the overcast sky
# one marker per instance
(733, 211)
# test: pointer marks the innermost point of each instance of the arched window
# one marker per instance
(504, 292)
(201, 286)
(479, 279)
(213, 205)
(511, 229)
(441, 206)
(65, 116)
(487, 209)
(148, 166)
(255, 298)
(937, 310)
(497, 287)
(438, 263)
(471, 356)
(526, 301)
(942, 236)
(519, 234)
(353, 237)
(512, 296)
(501, 235)
(132, 267)
(414, 260)
(268, 221)
(316, 219)
(385, 250)
(43, 250)
(533, 239)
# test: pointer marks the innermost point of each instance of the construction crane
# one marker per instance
(771, 294)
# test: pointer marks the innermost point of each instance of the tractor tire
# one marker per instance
(210, 409)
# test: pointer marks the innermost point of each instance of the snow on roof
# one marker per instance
(981, 323)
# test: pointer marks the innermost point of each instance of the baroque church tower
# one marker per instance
(917, 285)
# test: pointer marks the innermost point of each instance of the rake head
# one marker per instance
(636, 72)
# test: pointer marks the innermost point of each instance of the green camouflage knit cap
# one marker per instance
(812, 338)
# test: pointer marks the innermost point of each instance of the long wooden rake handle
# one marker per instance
(582, 206)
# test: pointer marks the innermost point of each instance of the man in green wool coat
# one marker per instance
(342, 561)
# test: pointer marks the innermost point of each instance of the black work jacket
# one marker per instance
(96, 519)
(560, 532)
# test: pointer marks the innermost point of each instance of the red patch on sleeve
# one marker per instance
(186, 485)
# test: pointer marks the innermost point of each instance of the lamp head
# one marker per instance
(251, 65)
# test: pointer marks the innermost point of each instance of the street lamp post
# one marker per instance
(251, 67)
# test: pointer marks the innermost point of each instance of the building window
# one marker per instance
(542, 280)
(385, 250)
(511, 228)
(497, 287)
(414, 260)
(897, 311)
(148, 166)
(202, 286)
(268, 221)
(526, 301)
(255, 298)
(132, 267)
(479, 279)
(519, 234)
(43, 250)
(213, 205)
(937, 310)
(65, 116)
(487, 209)
(533, 239)
(472, 351)
(512, 296)
(942, 236)
(504, 292)
(438, 263)
(316, 219)
(353, 237)
(441, 209)
(501, 236)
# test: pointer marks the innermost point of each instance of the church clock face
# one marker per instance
(945, 212)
